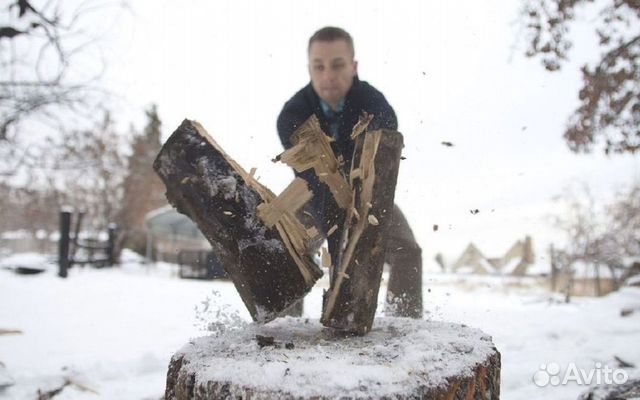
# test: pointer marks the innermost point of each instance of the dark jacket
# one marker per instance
(362, 97)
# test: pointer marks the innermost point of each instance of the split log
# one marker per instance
(350, 304)
(293, 358)
(269, 265)
(290, 200)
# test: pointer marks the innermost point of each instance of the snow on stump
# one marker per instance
(297, 358)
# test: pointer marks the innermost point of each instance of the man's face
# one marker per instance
(331, 68)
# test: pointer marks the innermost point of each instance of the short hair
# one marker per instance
(331, 34)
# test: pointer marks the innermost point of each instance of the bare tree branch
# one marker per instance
(38, 79)
(609, 112)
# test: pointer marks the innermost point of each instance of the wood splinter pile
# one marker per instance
(259, 240)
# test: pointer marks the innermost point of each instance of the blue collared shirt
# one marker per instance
(333, 116)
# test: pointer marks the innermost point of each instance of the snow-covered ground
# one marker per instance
(113, 331)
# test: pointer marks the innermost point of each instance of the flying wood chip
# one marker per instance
(361, 125)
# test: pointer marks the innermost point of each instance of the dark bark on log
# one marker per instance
(269, 266)
(350, 304)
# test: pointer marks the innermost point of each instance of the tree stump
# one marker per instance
(269, 263)
(297, 358)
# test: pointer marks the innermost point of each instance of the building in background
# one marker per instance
(515, 262)
(173, 237)
(169, 233)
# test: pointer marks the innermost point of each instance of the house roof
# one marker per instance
(510, 267)
(484, 263)
(470, 253)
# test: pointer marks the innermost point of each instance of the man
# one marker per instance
(338, 97)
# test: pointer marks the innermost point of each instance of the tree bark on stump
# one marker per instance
(293, 358)
(350, 304)
(268, 264)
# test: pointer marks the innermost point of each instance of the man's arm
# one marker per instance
(292, 116)
(386, 117)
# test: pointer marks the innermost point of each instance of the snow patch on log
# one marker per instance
(272, 245)
(217, 183)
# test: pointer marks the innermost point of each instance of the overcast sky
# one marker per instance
(449, 69)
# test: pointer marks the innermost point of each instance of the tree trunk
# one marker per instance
(350, 304)
(554, 268)
(598, 285)
(297, 359)
(268, 264)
